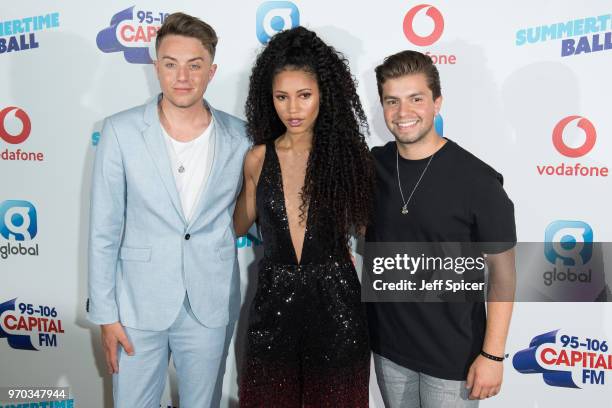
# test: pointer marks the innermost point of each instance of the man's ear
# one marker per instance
(212, 71)
(156, 67)
(438, 104)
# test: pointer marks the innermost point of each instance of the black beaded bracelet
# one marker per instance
(491, 357)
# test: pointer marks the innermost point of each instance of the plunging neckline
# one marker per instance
(286, 213)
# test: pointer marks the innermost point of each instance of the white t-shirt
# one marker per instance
(190, 162)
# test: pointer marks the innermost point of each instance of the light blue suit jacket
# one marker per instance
(143, 254)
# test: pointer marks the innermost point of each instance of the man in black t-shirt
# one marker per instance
(429, 189)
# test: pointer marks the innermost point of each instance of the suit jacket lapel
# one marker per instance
(222, 148)
(154, 140)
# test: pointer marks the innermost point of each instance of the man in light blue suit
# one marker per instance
(163, 274)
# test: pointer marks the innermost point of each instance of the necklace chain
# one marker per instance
(192, 148)
(190, 145)
(399, 182)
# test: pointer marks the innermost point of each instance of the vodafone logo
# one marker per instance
(9, 118)
(589, 142)
(573, 168)
(25, 122)
(434, 36)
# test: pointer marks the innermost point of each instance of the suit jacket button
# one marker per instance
(187, 236)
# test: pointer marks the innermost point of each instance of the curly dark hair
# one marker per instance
(338, 185)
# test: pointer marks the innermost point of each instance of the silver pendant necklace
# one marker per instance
(399, 182)
(181, 167)
(191, 146)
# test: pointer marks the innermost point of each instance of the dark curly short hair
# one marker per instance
(338, 185)
(408, 62)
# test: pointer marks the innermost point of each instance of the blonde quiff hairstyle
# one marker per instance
(188, 26)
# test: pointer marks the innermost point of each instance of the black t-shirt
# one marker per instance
(460, 199)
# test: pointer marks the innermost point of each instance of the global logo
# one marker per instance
(589, 141)
(570, 242)
(18, 220)
(438, 25)
(566, 359)
(247, 241)
(569, 247)
(18, 223)
(275, 16)
(28, 326)
(439, 124)
(15, 136)
(133, 33)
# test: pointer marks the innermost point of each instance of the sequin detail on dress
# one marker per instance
(307, 341)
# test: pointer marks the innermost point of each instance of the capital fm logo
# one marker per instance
(29, 326)
(19, 226)
(133, 32)
(15, 128)
(566, 359)
(275, 16)
(568, 246)
(429, 18)
(573, 137)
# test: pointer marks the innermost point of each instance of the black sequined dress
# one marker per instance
(307, 341)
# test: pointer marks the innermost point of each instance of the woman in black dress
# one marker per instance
(308, 182)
